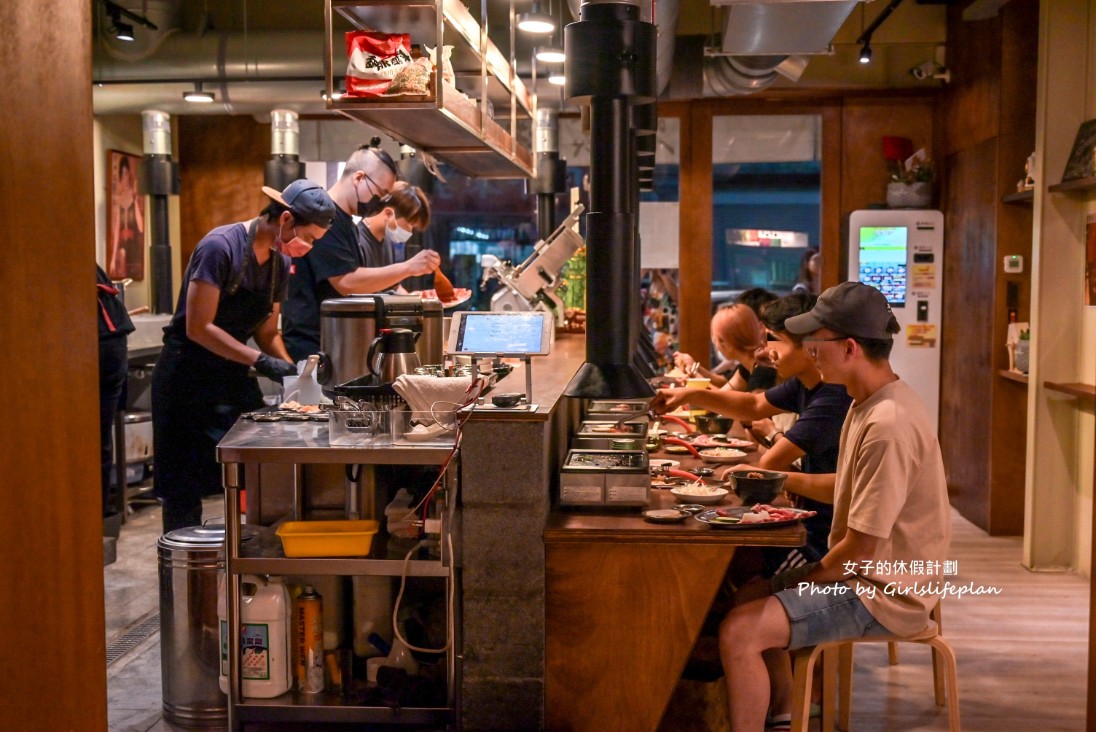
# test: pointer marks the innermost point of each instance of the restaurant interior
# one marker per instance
(997, 93)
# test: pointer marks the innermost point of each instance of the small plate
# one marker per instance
(461, 294)
(676, 449)
(722, 455)
(706, 500)
(664, 463)
(664, 516)
(731, 518)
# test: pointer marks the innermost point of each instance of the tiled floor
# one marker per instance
(132, 597)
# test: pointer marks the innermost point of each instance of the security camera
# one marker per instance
(931, 70)
(924, 71)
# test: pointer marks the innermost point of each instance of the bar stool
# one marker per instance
(945, 676)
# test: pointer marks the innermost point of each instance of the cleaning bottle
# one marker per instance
(309, 628)
(264, 637)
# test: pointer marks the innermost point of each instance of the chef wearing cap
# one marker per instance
(230, 293)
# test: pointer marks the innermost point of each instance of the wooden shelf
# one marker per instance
(1022, 198)
(1018, 376)
(1079, 185)
(447, 124)
(1084, 392)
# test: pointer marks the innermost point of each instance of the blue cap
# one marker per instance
(307, 200)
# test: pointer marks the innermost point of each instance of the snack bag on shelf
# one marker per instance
(447, 74)
(373, 61)
(412, 78)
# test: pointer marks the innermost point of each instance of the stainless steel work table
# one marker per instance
(299, 443)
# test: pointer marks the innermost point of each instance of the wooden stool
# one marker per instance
(945, 676)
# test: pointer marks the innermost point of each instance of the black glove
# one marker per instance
(791, 578)
(274, 368)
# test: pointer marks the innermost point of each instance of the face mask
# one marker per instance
(372, 207)
(397, 235)
(295, 247)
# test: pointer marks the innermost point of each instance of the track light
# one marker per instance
(557, 78)
(550, 54)
(198, 96)
(536, 22)
(122, 31)
(865, 53)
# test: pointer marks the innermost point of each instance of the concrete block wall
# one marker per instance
(509, 470)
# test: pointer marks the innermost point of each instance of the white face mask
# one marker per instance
(397, 235)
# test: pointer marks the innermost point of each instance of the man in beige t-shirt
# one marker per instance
(891, 523)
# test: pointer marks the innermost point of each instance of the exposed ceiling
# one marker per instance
(256, 55)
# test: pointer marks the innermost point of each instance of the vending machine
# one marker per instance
(901, 253)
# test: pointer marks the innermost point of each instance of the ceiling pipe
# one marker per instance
(665, 19)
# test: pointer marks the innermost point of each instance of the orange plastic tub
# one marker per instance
(327, 538)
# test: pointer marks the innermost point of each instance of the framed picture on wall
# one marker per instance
(125, 218)
(1082, 158)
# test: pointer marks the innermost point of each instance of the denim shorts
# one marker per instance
(827, 614)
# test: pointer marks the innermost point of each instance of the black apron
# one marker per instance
(197, 396)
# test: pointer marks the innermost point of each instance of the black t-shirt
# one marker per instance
(817, 433)
(335, 253)
(375, 253)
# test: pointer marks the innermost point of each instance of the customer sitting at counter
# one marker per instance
(337, 265)
(891, 511)
(737, 334)
(231, 292)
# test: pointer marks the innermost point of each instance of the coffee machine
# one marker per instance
(349, 325)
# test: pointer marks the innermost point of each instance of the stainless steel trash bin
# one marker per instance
(189, 562)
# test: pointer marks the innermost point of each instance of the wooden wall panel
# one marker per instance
(865, 121)
(51, 565)
(970, 248)
(973, 96)
(221, 163)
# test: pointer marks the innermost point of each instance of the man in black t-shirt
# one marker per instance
(367, 178)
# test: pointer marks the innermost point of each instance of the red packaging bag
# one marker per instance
(373, 59)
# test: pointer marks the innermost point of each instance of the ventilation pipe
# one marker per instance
(284, 165)
(665, 19)
(551, 177)
(610, 66)
(159, 179)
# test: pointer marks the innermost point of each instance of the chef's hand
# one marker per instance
(667, 400)
(424, 262)
(274, 368)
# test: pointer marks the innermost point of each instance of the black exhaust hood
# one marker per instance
(611, 67)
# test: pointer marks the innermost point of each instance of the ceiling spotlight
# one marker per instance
(550, 54)
(536, 22)
(557, 79)
(865, 53)
(123, 31)
(198, 96)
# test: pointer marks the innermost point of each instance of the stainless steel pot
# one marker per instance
(348, 326)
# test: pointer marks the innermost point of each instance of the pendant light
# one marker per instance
(553, 52)
(197, 96)
(536, 22)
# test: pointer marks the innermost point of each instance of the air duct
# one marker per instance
(159, 178)
(665, 20)
(285, 165)
(610, 66)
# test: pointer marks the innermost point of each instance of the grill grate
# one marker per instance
(133, 638)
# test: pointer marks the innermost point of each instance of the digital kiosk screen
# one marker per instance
(883, 260)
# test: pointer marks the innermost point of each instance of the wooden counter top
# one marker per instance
(551, 374)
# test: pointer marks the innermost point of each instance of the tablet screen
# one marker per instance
(500, 333)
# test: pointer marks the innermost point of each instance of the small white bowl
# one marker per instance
(705, 499)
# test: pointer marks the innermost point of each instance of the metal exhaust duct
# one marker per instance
(551, 177)
(285, 165)
(159, 179)
(611, 66)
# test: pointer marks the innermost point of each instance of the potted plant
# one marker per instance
(911, 174)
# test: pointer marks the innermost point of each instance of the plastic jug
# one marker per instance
(264, 636)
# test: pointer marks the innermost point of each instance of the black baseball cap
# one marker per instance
(852, 309)
(307, 200)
